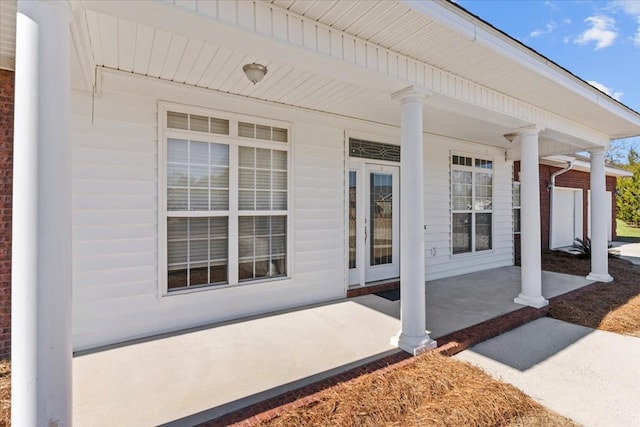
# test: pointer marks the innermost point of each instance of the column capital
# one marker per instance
(597, 152)
(524, 131)
(411, 92)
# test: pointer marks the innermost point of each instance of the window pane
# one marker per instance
(461, 190)
(483, 231)
(381, 213)
(177, 199)
(352, 219)
(279, 134)
(177, 175)
(516, 194)
(484, 191)
(279, 201)
(199, 176)
(177, 150)
(516, 220)
(461, 229)
(263, 158)
(262, 247)
(199, 153)
(200, 256)
(280, 160)
(176, 120)
(198, 200)
(219, 200)
(263, 200)
(199, 123)
(219, 177)
(219, 154)
(246, 130)
(279, 180)
(246, 200)
(247, 157)
(263, 132)
(219, 126)
(246, 178)
(263, 179)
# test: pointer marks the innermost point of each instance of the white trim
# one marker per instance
(473, 169)
(233, 213)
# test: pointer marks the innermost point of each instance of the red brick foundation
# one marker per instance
(6, 188)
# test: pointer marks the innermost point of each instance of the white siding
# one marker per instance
(438, 214)
(115, 221)
(115, 213)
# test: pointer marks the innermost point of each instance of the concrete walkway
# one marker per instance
(590, 376)
(628, 251)
(191, 377)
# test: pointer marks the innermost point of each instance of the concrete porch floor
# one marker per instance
(191, 377)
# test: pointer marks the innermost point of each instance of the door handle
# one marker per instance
(365, 234)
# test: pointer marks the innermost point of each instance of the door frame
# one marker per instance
(363, 273)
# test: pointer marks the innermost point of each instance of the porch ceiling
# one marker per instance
(134, 39)
(126, 45)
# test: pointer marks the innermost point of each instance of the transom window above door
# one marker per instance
(471, 204)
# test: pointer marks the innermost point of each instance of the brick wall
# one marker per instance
(570, 179)
(6, 184)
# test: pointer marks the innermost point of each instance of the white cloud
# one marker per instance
(603, 31)
(566, 20)
(636, 37)
(551, 5)
(630, 7)
(550, 27)
(615, 95)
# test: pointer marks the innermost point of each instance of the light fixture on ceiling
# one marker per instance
(255, 72)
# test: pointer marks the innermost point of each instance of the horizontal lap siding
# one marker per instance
(115, 222)
(438, 211)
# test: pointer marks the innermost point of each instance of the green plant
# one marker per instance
(582, 247)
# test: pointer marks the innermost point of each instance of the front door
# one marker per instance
(374, 222)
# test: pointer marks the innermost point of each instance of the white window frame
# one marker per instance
(474, 170)
(234, 142)
(516, 207)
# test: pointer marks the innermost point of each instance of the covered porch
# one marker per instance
(90, 77)
(207, 372)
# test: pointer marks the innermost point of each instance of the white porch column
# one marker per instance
(41, 255)
(412, 338)
(530, 250)
(599, 217)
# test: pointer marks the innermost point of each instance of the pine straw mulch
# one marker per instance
(5, 392)
(613, 307)
(430, 390)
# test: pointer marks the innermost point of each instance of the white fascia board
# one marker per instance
(504, 45)
(581, 165)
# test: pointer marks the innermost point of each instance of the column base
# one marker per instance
(600, 277)
(413, 345)
(535, 302)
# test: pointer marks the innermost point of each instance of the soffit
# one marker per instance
(400, 28)
(7, 34)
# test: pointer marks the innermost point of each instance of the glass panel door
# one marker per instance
(382, 221)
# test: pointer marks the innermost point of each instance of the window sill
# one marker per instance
(189, 291)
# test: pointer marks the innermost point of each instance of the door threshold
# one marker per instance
(373, 287)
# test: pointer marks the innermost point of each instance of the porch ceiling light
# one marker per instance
(255, 72)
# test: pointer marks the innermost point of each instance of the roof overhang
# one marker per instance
(581, 165)
(346, 58)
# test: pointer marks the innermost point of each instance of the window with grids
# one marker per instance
(471, 204)
(226, 210)
(516, 207)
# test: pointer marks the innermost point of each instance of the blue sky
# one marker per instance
(598, 41)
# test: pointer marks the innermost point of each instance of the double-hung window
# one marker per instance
(224, 198)
(471, 204)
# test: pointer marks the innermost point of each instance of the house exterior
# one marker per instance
(155, 188)
(565, 207)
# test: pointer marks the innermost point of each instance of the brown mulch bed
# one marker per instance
(5, 392)
(613, 307)
(433, 390)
